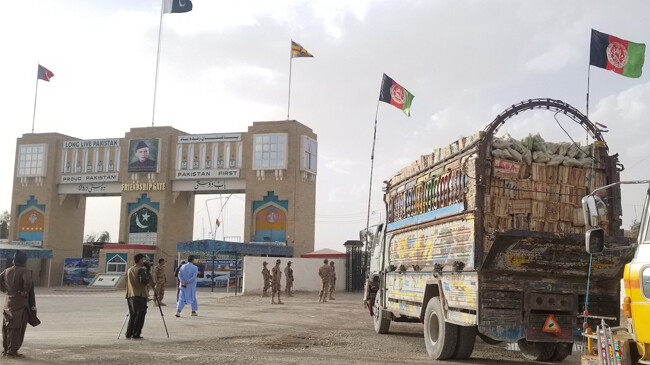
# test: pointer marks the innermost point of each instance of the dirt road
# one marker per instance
(81, 326)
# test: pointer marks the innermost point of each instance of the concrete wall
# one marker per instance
(305, 273)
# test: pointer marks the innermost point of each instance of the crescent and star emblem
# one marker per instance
(181, 3)
(138, 223)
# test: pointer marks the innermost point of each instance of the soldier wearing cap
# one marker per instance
(332, 280)
(288, 274)
(276, 276)
(266, 275)
(324, 273)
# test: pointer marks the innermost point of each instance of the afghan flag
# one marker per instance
(299, 51)
(615, 54)
(394, 94)
(44, 74)
(177, 6)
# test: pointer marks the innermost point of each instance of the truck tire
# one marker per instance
(537, 351)
(381, 323)
(440, 337)
(562, 350)
(465, 344)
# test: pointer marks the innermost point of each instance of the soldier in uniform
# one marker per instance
(288, 274)
(324, 273)
(332, 280)
(159, 280)
(266, 275)
(276, 275)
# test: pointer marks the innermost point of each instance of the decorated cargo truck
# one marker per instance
(485, 237)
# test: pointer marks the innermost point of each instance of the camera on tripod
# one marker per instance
(148, 264)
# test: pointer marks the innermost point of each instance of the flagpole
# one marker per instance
(35, 97)
(289, 98)
(155, 83)
(372, 166)
(587, 113)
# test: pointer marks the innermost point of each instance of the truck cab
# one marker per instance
(636, 275)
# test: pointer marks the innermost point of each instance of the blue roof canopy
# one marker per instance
(253, 249)
(7, 251)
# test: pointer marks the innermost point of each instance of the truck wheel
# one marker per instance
(563, 350)
(381, 324)
(439, 336)
(537, 351)
(465, 344)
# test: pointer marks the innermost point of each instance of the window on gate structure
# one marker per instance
(116, 264)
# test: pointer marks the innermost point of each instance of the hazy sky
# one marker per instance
(225, 65)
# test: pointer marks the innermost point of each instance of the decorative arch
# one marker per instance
(31, 220)
(270, 217)
(143, 221)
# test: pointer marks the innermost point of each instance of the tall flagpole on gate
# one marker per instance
(372, 166)
(587, 111)
(289, 98)
(35, 97)
(155, 83)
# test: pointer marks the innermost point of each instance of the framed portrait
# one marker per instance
(143, 155)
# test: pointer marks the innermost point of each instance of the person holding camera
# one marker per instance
(138, 277)
(187, 277)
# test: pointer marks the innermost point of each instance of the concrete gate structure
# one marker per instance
(157, 171)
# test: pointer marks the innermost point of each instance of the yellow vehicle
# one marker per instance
(636, 278)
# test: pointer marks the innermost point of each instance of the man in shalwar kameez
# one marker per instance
(16, 282)
(187, 295)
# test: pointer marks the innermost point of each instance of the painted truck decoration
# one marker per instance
(483, 241)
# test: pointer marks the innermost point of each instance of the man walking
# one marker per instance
(266, 276)
(276, 276)
(332, 280)
(187, 277)
(137, 279)
(288, 274)
(16, 283)
(324, 273)
(159, 280)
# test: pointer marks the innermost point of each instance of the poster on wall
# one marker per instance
(143, 155)
(220, 275)
(79, 270)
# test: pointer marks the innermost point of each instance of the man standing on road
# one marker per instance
(332, 280)
(16, 283)
(137, 279)
(288, 274)
(266, 276)
(159, 280)
(324, 273)
(276, 276)
(187, 277)
(178, 283)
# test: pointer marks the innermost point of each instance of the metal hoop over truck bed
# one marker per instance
(476, 243)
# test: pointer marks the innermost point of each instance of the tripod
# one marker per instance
(155, 296)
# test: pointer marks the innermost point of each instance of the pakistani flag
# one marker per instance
(177, 6)
(143, 221)
(395, 95)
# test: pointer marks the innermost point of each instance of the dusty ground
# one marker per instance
(80, 326)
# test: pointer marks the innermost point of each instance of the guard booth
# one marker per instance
(354, 261)
(223, 259)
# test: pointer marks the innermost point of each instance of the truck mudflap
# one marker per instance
(554, 255)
